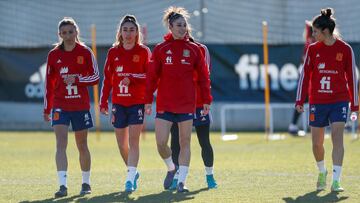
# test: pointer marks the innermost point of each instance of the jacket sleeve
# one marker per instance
(50, 81)
(304, 78)
(352, 80)
(153, 75)
(107, 83)
(203, 73)
(92, 74)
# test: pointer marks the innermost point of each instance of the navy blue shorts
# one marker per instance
(323, 114)
(123, 116)
(175, 117)
(80, 120)
(201, 119)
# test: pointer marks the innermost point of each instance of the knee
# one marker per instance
(61, 146)
(317, 146)
(204, 143)
(123, 147)
(83, 148)
(184, 142)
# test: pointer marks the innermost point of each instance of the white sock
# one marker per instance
(86, 177)
(62, 176)
(336, 172)
(169, 163)
(183, 172)
(177, 175)
(131, 173)
(321, 166)
(209, 170)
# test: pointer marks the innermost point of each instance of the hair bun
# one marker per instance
(130, 18)
(326, 12)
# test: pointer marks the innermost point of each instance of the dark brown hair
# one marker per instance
(127, 18)
(172, 13)
(325, 20)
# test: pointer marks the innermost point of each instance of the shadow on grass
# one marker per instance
(313, 197)
(58, 200)
(164, 196)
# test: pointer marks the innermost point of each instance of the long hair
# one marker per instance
(119, 41)
(68, 21)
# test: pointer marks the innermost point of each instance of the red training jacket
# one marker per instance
(329, 75)
(171, 72)
(121, 63)
(81, 63)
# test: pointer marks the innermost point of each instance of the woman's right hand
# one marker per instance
(47, 117)
(148, 109)
(299, 108)
(104, 111)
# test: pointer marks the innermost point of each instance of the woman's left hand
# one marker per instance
(69, 80)
(125, 81)
(206, 109)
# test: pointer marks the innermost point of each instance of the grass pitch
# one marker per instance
(249, 169)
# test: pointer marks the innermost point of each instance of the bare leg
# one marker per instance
(84, 153)
(162, 131)
(318, 143)
(61, 133)
(134, 135)
(337, 137)
(185, 128)
(122, 138)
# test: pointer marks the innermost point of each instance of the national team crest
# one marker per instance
(80, 60)
(186, 53)
(312, 117)
(56, 116)
(339, 56)
(136, 58)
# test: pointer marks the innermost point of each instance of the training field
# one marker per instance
(249, 169)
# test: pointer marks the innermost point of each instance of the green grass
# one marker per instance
(249, 169)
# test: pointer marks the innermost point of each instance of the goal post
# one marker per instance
(95, 87)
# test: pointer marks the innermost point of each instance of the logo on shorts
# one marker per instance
(312, 109)
(312, 113)
(56, 116)
(86, 117)
(344, 110)
(140, 114)
(312, 117)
